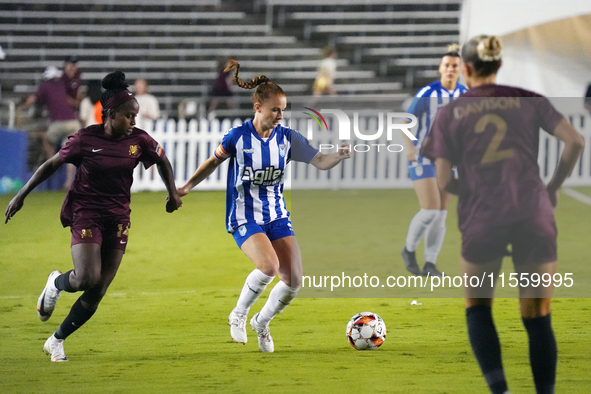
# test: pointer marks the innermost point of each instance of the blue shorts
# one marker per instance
(421, 171)
(276, 229)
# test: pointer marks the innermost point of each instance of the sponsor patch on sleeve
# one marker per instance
(159, 150)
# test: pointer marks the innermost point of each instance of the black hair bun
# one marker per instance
(115, 81)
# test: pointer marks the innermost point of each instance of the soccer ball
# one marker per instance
(366, 331)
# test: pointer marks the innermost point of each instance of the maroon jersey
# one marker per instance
(101, 188)
(491, 133)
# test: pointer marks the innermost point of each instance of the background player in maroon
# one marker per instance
(492, 134)
(97, 205)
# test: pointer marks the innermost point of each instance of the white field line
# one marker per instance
(141, 293)
(585, 199)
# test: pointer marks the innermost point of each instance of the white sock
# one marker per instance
(417, 227)
(434, 237)
(280, 297)
(255, 284)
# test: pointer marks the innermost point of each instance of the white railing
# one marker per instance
(188, 144)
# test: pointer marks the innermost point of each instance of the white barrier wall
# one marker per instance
(188, 144)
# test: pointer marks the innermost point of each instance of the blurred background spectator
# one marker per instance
(61, 110)
(72, 79)
(220, 90)
(90, 106)
(149, 106)
(327, 70)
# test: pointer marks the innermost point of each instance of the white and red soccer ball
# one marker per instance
(366, 331)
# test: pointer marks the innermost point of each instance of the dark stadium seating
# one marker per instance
(175, 44)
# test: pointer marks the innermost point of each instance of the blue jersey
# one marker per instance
(254, 192)
(425, 106)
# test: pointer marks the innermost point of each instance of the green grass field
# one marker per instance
(162, 328)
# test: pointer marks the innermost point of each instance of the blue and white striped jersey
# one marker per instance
(425, 106)
(254, 192)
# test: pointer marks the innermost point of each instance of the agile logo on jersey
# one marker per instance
(264, 177)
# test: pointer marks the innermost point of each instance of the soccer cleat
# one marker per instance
(410, 261)
(55, 348)
(237, 323)
(264, 334)
(48, 298)
(430, 269)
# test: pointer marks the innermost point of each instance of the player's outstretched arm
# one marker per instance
(444, 174)
(573, 147)
(173, 202)
(326, 162)
(205, 169)
(43, 172)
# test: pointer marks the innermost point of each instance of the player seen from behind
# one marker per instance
(491, 134)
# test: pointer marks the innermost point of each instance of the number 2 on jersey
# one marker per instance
(492, 152)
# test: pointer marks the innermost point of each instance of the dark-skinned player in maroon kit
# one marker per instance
(491, 133)
(96, 207)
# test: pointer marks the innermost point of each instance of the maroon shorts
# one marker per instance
(108, 234)
(532, 241)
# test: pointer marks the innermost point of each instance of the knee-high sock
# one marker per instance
(255, 284)
(486, 347)
(76, 318)
(434, 237)
(542, 353)
(418, 226)
(280, 297)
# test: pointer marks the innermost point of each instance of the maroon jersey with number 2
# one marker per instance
(101, 188)
(491, 133)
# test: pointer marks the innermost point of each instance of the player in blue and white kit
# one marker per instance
(256, 214)
(430, 220)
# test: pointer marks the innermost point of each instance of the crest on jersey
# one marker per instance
(242, 231)
(133, 149)
(282, 150)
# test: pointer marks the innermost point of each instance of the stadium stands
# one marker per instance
(175, 44)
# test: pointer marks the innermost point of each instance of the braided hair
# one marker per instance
(265, 88)
(484, 53)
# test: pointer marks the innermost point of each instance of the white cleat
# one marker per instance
(55, 348)
(264, 334)
(48, 298)
(237, 323)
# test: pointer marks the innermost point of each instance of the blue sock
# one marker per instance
(486, 347)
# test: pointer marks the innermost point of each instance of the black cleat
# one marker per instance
(430, 269)
(410, 261)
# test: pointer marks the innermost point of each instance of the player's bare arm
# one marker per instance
(573, 147)
(411, 150)
(205, 169)
(42, 173)
(173, 202)
(444, 174)
(326, 162)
